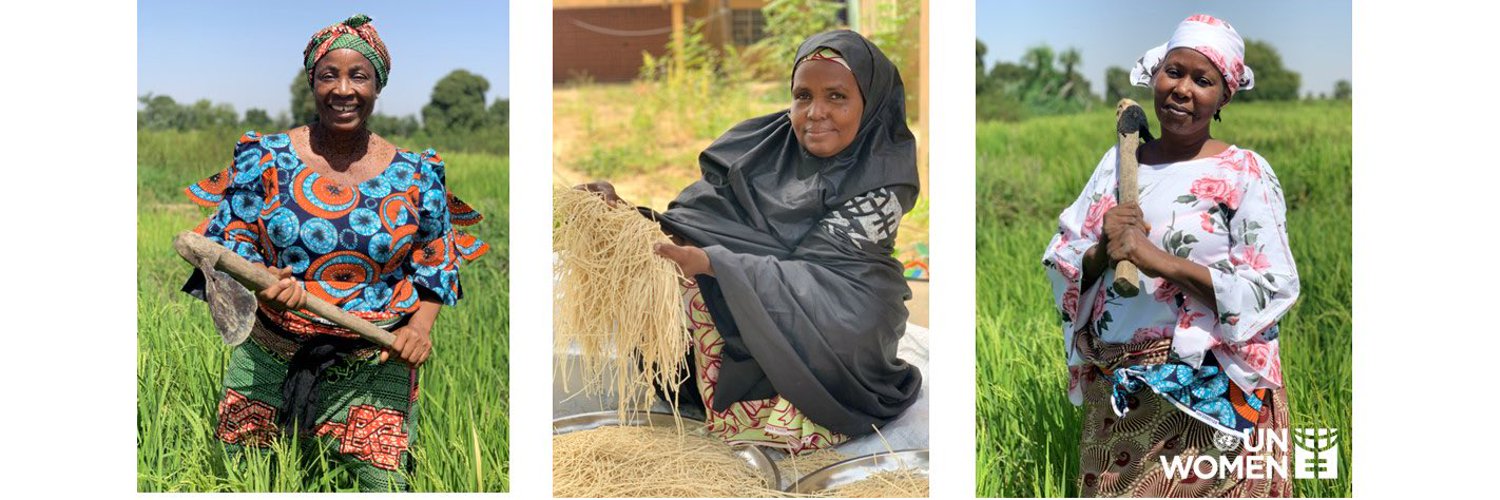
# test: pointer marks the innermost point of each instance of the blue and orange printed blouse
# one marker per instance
(368, 249)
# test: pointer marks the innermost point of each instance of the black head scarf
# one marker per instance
(804, 313)
(758, 175)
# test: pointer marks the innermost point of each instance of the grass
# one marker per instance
(1027, 172)
(651, 128)
(463, 425)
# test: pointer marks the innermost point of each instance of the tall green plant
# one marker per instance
(789, 22)
(259, 120)
(891, 35)
(1117, 86)
(1035, 86)
(161, 112)
(1273, 81)
(457, 103)
(699, 60)
(304, 110)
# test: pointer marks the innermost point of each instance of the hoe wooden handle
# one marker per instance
(1130, 120)
(200, 252)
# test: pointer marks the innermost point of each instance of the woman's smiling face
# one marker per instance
(826, 107)
(344, 88)
(1188, 89)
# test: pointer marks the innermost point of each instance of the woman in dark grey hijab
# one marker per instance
(798, 304)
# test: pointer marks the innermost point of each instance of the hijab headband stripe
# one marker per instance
(826, 54)
(355, 33)
(1215, 39)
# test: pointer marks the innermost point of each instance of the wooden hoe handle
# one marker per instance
(1130, 119)
(209, 256)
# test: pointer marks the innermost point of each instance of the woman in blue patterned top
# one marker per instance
(337, 212)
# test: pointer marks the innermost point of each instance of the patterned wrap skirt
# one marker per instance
(770, 422)
(1122, 456)
(366, 410)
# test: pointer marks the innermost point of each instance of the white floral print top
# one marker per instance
(1225, 212)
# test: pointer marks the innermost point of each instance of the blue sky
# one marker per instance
(1315, 38)
(245, 53)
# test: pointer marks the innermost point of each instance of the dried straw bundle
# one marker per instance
(794, 467)
(900, 483)
(649, 462)
(903, 482)
(617, 301)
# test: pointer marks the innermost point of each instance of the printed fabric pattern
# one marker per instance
(1225, 212)
(1204, 393)
(367, 413)
(869, 221)
(770, 422)
(1121, 456)
(368, 249)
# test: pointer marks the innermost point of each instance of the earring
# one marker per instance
(1216, 116)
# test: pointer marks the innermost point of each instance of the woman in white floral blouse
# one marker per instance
(1200, 339)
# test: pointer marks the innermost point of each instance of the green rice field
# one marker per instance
(1028, 172)
(462, 427)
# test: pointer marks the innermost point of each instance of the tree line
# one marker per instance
(1046, 82)
(456, 117)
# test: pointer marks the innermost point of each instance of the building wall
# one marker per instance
(604, 38)
(589, 4)
(579, 47)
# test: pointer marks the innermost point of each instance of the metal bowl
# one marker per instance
(857, 469)
(752, 455)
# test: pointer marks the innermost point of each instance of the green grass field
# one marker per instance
(463, 426)
(1028, 172)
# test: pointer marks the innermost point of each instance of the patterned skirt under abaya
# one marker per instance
(1122, 456)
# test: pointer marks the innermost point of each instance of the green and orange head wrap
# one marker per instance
(355, 33)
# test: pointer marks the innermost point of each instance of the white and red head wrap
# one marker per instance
(1210, 36)
(825, 54)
